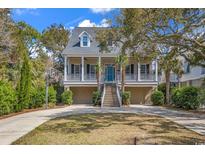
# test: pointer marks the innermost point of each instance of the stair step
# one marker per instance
(110, 99)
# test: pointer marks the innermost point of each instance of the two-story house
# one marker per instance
(81, 55)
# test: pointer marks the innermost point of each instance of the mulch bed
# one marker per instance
(31, 110)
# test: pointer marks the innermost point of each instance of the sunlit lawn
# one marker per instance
(111, 129)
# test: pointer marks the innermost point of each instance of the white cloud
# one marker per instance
(88, 23)
(104, 23)
(32, 11)
(101, 10)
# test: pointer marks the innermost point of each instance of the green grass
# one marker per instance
(110, 129)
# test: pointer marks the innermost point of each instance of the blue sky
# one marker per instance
(42, 18)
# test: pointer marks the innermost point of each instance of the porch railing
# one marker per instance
(103, 95)
(128, 77)
(134, 77)
(118, 95)
(77, 77)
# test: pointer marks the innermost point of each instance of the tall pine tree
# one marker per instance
(24, 84)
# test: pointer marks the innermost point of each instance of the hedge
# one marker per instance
(7, 98)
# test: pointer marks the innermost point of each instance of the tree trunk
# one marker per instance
(167, 76)
(123, 79)
(98, 80)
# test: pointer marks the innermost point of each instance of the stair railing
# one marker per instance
(118, 95)
(103, 96)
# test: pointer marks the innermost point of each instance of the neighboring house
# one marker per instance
(192, 76)
(81, 55)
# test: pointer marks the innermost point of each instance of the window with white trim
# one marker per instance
(85, 41)
(144, 68)
(91, 71)
(75, 69)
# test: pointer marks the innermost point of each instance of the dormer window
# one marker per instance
(84, 39)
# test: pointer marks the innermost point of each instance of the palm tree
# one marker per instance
(122, 61)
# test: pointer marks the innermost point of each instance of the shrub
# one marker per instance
(126, 98)
(157, 98)
(175, 97)
(201, 97)
(51, 105)
(96, 98)
(186, 98)
(67, 97)
(59, 91)
(51, 95)
(162, 87)
(37, 97)
(7, 98)
(4, 108)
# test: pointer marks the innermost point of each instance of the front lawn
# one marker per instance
(111, 129)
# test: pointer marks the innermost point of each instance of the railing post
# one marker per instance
(99, 60)
(138, 73)
(65, 68)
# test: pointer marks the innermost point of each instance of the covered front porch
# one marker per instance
(83, 70)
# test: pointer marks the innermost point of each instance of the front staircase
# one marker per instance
(110, 98)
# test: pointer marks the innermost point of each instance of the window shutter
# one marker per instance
(88, 68)
(72, 68)
(132, 68)
(148, 68)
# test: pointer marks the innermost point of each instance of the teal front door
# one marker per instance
(110, 73)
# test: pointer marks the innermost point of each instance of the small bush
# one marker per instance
(7, 98)
(51, 95)
(186, 98)
(157, 98)
(37, 97)
(96, 98)
(126, 98)
(67, 97)
(175, 97)
(51, 105)
(4, 108)
(201, 97)
(162, 87)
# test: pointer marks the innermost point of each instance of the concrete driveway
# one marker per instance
(13, 128)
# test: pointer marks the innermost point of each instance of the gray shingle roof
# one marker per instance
(73, 46)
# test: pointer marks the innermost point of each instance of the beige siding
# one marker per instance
(82, 95)
(140, 95)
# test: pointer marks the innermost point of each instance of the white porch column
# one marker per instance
(139, 72)
(156, 70)
(99, 60)
(82, 69)
(65, 68)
